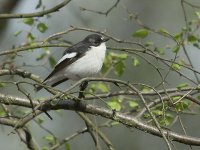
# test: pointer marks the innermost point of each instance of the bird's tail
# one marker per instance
(50, 82)
(38, 88)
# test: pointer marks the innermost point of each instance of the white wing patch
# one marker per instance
(67, 55)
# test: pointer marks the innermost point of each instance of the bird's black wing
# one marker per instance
(79, 48)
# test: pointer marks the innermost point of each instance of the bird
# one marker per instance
(84, 59)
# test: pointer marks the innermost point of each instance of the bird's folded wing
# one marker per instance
(64, 62)
(70, 55)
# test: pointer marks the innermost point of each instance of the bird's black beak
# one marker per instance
(105, 39)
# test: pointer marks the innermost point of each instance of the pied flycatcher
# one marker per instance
(81, 60)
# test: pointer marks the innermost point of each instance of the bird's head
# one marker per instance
(95, 39)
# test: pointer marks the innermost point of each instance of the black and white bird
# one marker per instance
(84, 59)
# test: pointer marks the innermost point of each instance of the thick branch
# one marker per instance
(36, 14)
(22, 73)
(128, 120)
(29, 47)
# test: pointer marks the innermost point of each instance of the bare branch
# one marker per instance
(29, 47)
(36, 14)
(128, 120)
(100, 12)
(22, 73)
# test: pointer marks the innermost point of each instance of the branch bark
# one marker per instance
(125, 119)
(36, 14)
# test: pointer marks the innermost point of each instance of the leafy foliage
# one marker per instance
(115, 60)
(135, 61)
(28, 21)
(141, 33)
(114, 104)
(42, 27)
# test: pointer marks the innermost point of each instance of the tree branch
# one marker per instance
(29, 47)
(100, 12)
(127, 120)
(36, 14)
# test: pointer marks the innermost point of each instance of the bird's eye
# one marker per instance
(96, 42)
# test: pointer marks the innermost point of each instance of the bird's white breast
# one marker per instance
(88, 65)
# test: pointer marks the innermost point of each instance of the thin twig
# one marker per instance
(101, 12)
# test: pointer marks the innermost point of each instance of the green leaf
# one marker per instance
(39, 120)
(176, 66)
(167, 120)
(164, 31)
(192, 38)
(197, 14)
(159, 50)
(42, 27)
(105, 68)
(157, 112)
(2, 113)
(52, 61)
(28, 21)
(49, 138)
(183, 105)
(103, 87)
(30, 37)
(67, 146)
(147, 44)
(119, 55)
(176, 49)
(45, 148)
(141, 33)
(146, 115)
(135, 61)
(178, 36)
(46, 49)
(133, 104)
(92, 88)
(123, 56)
(175, 98)
(107, 64)
(119, 68)
(18, 32)
(182, 85)
(41, 56)
(145, 89)
(114, 104)
(114, 123)
(2, 85)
